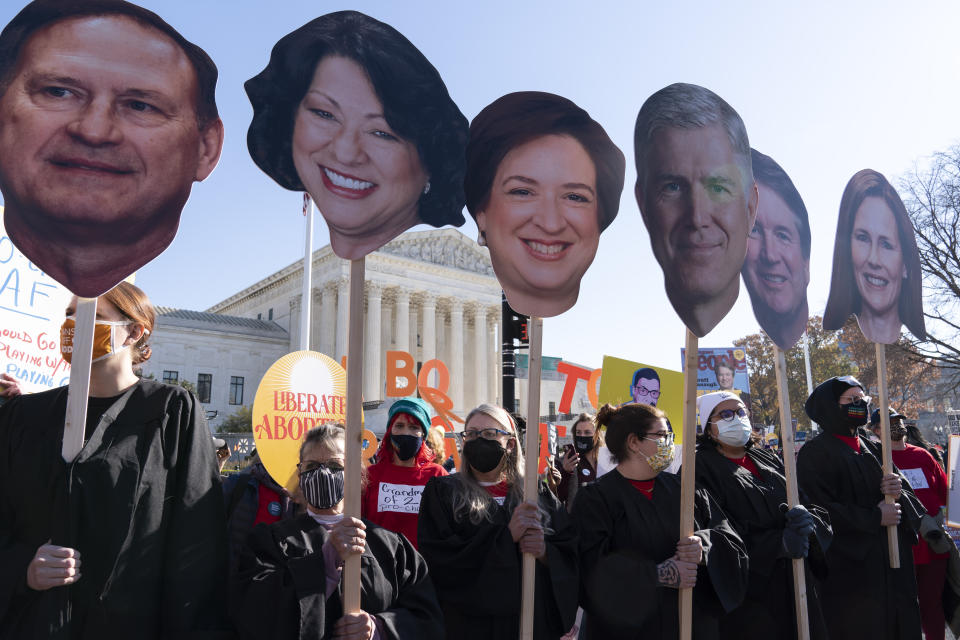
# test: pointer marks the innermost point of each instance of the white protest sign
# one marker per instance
(399, 498)
(32, 308)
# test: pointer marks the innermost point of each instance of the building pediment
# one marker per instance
(444, 247)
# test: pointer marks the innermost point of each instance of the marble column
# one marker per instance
(480, 342)
(371, 345)
(428, 337)
(343, 317)
(328, 320)
(456, 354)
(295, 320)
(494, 391)
(402, 322)
(316, 328)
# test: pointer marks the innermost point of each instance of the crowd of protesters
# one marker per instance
(138, 536)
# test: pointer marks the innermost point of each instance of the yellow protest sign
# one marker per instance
(300, 391)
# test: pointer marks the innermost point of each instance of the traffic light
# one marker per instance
(514, 327)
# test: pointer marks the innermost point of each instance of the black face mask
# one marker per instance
(855, 414)
(583, 443)
(406, 445)
(483, 455)
(322, 487)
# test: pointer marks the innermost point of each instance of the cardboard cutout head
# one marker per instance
(697, 196)
(107, 117)
(777, 268)
(543, 181)
(351, 112)
(876, 264)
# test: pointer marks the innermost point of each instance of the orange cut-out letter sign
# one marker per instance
(573, 373)
(400, 369)
(443, 375)
(545, 444)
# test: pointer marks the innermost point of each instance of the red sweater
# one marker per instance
(929, 482)
(392, 496)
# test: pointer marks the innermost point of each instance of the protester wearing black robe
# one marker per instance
(862, 597)
(756, 508)
(624, 535)
(280, 589)
(141, 503)
(476, 568)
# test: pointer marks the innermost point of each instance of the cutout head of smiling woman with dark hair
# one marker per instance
(543, 181)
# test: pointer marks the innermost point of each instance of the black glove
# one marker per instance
(932, 531)
(796, 533)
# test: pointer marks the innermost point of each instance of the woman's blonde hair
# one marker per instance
(435, 438)
(473, 501)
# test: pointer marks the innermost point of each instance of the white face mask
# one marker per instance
(735, 431)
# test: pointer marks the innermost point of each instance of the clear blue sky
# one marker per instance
(826, 90)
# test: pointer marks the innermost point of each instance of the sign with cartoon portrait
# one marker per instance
(698, 198)
(876, 264)
(106, 121)
(777, 269)
(543, 181)
(626, 382)
(351, 112)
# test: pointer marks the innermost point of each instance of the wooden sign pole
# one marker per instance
(688, 468)
(793, 495)
(80, 362)
(531, 447)
(306, 298)
(892, 540)
(354, 439)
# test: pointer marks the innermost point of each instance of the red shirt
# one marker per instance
(747, 464)
(852, 441)
(499, 491)
(645, 487)
(929, 482)
(392, 496)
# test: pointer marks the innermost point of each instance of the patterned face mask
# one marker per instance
(664, 455)
(322, 486)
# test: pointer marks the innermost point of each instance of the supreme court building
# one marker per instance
(430, 293)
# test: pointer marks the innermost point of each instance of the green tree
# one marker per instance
(910, 379)
(240, 421)
(826, 360)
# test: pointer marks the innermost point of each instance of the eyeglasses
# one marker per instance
(643, 391)
(866, 400)
(727, 414)
(659, 436)
(312, 465)
(487, 434)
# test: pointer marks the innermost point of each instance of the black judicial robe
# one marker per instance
(477, 568)
(753, 506)
(279, 591)
(624, 536)
(862, 597)
(142, 504)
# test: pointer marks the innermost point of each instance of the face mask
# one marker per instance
(664, 455)
(483, 455)
(898, 432)
(106, 342)
(406, 445)
(583, 443)
(735, 431)
(322, 487)
(855, 413)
